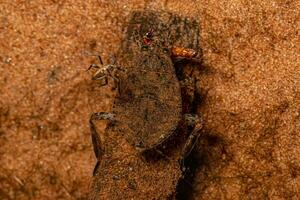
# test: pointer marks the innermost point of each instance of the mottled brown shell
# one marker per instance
(147, 110)
(149, 106)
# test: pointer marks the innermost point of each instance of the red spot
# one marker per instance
(147, 41)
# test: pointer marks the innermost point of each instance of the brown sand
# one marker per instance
(249, 83)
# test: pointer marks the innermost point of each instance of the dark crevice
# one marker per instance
(207, 155)
(185, 189)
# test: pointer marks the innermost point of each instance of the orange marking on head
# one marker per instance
(183, 52)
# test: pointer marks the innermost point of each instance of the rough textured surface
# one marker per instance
(249, 83)
(251, 86)
(124, 173)
(149, 106)
(148, 112)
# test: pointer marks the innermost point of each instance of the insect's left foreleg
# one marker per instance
(96, 140)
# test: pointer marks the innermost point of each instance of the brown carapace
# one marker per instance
(147, 111)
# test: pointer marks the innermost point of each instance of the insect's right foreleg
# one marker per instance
(96, 140)
(93, 66)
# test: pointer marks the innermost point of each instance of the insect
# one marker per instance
(106, 71)
(146, 113)
(149, 107)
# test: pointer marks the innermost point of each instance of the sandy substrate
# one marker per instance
(249, 83)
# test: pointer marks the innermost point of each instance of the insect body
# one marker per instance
(106, 71)
(149, 106)
(146, 113)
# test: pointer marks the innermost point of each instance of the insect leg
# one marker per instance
(196, 122)
(93, 66)
(100, 59)
(116, 84)
(188, 86)
(113, 59)
(102, 116)
(95, 137)
(96, 145)
(116, 79)
(101, 79)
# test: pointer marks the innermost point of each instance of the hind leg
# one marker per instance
(98, 150)
(102, 116)
(191, 120)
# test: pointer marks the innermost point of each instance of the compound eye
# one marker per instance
(148, 34)
(166, 50)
